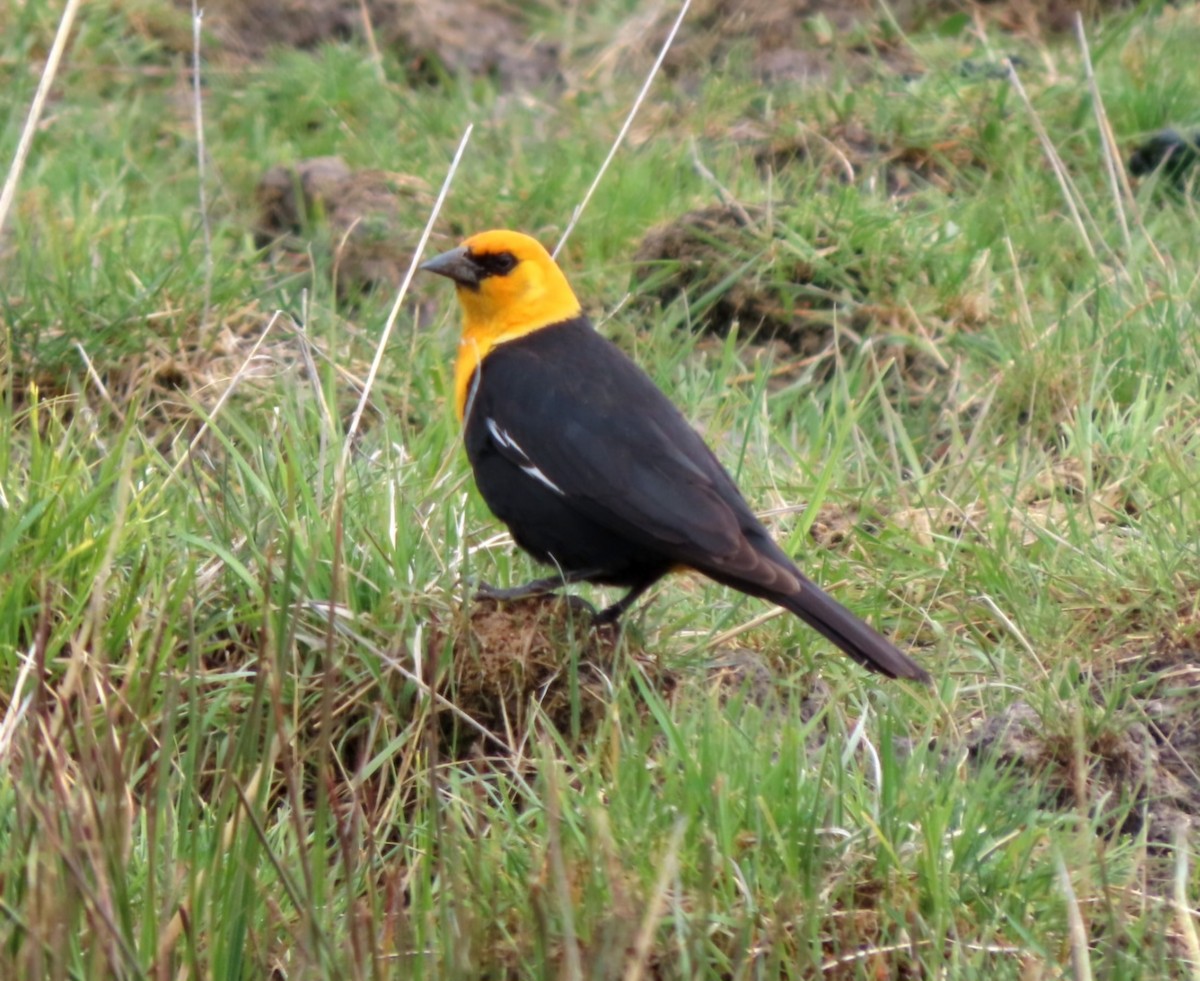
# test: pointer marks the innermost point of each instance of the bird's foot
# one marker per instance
(580, 607)
(610, 616)
(533, 590)
(607, 619)
(539, 587)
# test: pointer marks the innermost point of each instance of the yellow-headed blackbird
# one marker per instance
(591, 467)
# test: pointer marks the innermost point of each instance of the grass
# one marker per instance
(222, 755)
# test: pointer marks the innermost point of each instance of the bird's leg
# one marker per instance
(611, 614)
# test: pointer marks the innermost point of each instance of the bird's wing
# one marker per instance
(588, 423)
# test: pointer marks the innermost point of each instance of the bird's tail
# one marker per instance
(826, 615)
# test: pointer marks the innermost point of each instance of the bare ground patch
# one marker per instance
(726, 260)
(736, 267)
(515, 660)
(368, 220)
(434, 38)
(787, 41)
(850, 154)
(1134, 766)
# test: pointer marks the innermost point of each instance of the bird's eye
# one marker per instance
(496, 263)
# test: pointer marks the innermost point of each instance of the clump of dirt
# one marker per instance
(444, 36)
(368, 218)
(739, 267)
(834, 524)
(288, 197)
(784, 40)
(514, 655)
(1143, 754)
(435, 38)
(716, 256)
(849, 154)
(1054, 497)
(740, 672)
(1036, 17)
(250, 27)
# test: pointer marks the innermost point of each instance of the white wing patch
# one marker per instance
(505, 441)
(501, 437)
(538, 475)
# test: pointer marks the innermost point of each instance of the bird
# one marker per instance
(592, 467)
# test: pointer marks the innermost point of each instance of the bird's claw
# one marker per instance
(541, 587)
(528, 590)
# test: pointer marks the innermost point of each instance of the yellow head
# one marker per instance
(508, 286)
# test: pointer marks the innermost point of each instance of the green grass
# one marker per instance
(205, 778)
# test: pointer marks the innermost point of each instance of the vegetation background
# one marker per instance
(252, 724)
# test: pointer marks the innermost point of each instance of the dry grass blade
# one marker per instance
(1069, 192)
(1115, 173)
(201, 165)
(18, 703)
(1076, 925)
(572, 957)
(1118, 180)
(9, 191)
(1186, 916)
(99, 382)
(1014, 631)
(861, 956)
(724, 195)
(388, 326)
(612, 152)
(668, 866)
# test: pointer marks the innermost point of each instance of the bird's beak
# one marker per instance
(456, 265)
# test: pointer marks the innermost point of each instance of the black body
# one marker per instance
(597, 473)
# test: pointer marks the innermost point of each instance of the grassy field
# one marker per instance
(252, 724)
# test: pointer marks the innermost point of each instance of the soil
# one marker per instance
(802, 40)
(742, 673)
(512, 660)
(370, 220)
(783, 40)
(1140, 762)
(783, 44)
(849, 154)
(711, 254)
(435, 38)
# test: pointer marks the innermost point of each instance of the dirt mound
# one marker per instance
(512, 656)
(1135, 765)
(749, 268)
(434, 38)
(804, 40)
(850, 154)
(783, 40)
(1036, 17)
(726, 259)
(369, 220)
